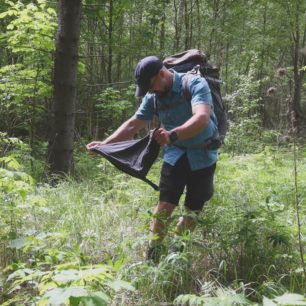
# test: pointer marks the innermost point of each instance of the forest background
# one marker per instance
(65, 242)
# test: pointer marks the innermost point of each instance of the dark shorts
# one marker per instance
(199, 184)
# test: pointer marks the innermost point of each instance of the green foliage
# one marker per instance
(30, 158)
(15, 186)
(245, 126)
(63, 284)
(230, 297)
(285, 299)
(249, 225)
(220, 297)
(172, 276)
(82, 242)
(25, 83)
(114, 107)
(56, 273)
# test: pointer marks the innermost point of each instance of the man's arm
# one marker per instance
(125, 132)
(197, 123)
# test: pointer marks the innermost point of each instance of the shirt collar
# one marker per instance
(176, 87)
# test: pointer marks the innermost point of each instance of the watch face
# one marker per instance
(173, 137)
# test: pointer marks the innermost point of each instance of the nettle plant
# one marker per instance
(43, 266)
(67, 283)
(15, 185)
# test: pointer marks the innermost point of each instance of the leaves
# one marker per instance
(60, 296)
(83, 275)
(10, 163)
(285, 299)
(18, 243)
(93, 299)
(223, 297)
(30, 37)
(290, 299)
(119, 284)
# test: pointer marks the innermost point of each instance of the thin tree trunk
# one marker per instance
(65, 72)
(262, 64)
(297, 72)
(162, 28)
(198, 26)
(213, 27)
(178, 8)
(110, 38)
(186, 25)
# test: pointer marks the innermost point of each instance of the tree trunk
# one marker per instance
(186, 17)
(162, 28)
(178, 8)
(110, 39)
(261, 71)
(65, 71)
(198, 26)
(212, 42)
(298, 62)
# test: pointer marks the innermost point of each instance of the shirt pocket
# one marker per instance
(176, 113)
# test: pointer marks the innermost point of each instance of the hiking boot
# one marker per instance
(153, 253)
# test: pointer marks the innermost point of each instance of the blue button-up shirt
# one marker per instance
(174, 109)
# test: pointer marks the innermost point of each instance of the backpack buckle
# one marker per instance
(215, 142)
(196, 69)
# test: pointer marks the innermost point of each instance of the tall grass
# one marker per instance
(245, 240)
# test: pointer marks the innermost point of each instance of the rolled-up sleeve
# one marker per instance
(146, 109)
(200, 92)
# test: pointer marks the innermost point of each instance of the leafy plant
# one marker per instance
(113, 107)
(58, 274)
(224, 297)
(29, 36)
(66, 284)
(285, 299)
(244, 114)
(246, 235)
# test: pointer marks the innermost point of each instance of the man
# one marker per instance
(186, 126)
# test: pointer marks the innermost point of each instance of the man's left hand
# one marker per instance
(162, 137)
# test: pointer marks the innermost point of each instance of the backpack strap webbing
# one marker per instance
(187, 81)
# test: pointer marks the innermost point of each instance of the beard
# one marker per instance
(164, 88)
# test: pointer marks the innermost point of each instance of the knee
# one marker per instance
(197, 203)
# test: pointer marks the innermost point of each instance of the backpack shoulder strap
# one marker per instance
(187, 81)
(155, 115)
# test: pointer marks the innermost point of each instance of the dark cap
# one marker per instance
(145, 70)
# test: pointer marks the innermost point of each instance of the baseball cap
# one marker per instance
(145, 70)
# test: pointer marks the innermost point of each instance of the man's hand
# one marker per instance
(92, 145)
(162, 136)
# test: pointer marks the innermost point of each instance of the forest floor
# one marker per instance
(83, 240)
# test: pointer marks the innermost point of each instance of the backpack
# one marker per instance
(194, 62)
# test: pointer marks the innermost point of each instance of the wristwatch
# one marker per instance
(173, 137)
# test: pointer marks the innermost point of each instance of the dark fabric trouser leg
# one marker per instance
(199, 184)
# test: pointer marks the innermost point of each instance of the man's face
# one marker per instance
(159, 85)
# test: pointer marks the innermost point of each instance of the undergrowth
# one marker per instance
(82, 241)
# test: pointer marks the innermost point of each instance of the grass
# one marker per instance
(246, 239)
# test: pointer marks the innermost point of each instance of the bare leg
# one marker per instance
(163, 212)
(186, 222)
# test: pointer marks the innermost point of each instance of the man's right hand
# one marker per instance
(162, 136)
